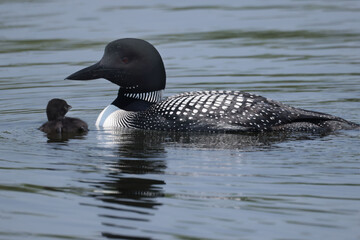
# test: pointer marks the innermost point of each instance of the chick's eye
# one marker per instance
(125, 60)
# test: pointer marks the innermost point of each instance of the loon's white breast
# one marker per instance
(113, 116)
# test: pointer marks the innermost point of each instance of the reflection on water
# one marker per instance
(64, 137)
(128, 197)
(134, 143)
(127, 190)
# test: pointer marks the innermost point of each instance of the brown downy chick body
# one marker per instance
(58, 123)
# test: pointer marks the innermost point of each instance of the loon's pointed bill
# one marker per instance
(137, 67)
(88, 73)
(99, 70)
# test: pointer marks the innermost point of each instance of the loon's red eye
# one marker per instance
(125, 60)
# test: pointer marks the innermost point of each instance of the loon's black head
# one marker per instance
(56, 109)
(133, 64)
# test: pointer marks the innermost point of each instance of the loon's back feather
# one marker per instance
(228, 111)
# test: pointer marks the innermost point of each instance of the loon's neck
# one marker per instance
(136, 101)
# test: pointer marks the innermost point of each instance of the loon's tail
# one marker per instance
(317, 122)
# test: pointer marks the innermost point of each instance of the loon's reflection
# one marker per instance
(134, 185)
(137, 155)
(141, 143)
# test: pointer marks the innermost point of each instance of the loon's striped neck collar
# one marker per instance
(152, 97)
(136, 101)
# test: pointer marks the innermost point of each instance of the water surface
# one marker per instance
(122, 184)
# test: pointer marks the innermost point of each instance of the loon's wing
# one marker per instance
(228, 111)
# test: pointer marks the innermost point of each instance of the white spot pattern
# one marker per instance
(212, 111)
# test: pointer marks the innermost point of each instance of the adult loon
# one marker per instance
(137, 67)
(58, 123)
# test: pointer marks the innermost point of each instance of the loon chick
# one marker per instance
(58, 123)
(137, 67)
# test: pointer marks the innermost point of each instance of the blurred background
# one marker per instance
(136, 185)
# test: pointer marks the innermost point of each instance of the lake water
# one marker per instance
(122, 184)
